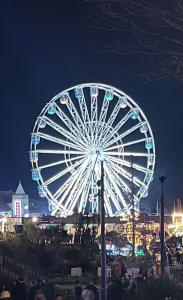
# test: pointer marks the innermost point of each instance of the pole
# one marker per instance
(133, 212)
(103, 242)
(162, 230)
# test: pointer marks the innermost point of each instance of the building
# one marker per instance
(18, 204)
(5, 203)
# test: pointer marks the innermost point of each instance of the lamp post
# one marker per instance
(162, 230)
(102, 222)
(133, 210)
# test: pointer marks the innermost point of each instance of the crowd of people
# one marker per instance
(174, 255)
(39, 290)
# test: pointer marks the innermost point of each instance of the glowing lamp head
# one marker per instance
(64, 99)
(34, 219)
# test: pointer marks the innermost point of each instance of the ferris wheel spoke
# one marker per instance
(111, 178)
(74, 185)
(128, 176)
(71, 126)
(77, 119)
(115, 153)
(52, 199)
(63, 131)
(102, 118)
(119, 181)
(60, 141)
(121, 136)
(67, 186)
(128, 164)
(81, 184)
(51, 151)
(94, 115)
(126, 144)
(112, 194)
(109, 134)
(65, 171)
(65, 190)
(123, 173)
(79, 188)
(84, 108)
(72, 178)
(84, 198)
(111, 119)
(84, 112)
(134, 142)
(126, 190)
(108, 204)
(60, 162)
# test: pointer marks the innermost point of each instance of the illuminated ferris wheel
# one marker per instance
(69, 135)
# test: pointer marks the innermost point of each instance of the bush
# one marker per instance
(46, 258)
(161, 289)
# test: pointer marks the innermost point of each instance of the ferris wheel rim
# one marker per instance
(117, 92)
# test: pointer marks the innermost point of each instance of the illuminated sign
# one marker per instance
(18, 212)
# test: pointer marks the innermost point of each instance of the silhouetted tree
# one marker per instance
(149, 32)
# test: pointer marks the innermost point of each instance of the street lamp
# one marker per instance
(133, 210)
(102, 222)
(34, 219)
(162, 230)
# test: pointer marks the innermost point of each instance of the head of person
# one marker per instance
(88, 294)
(58, 297)
(39, 295)
(5, 295)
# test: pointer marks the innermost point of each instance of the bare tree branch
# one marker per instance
(142, 28)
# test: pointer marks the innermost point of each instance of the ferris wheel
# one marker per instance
(74, 131)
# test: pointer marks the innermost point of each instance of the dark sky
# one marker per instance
(47, 47)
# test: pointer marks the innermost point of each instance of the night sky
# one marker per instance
(46, 47)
